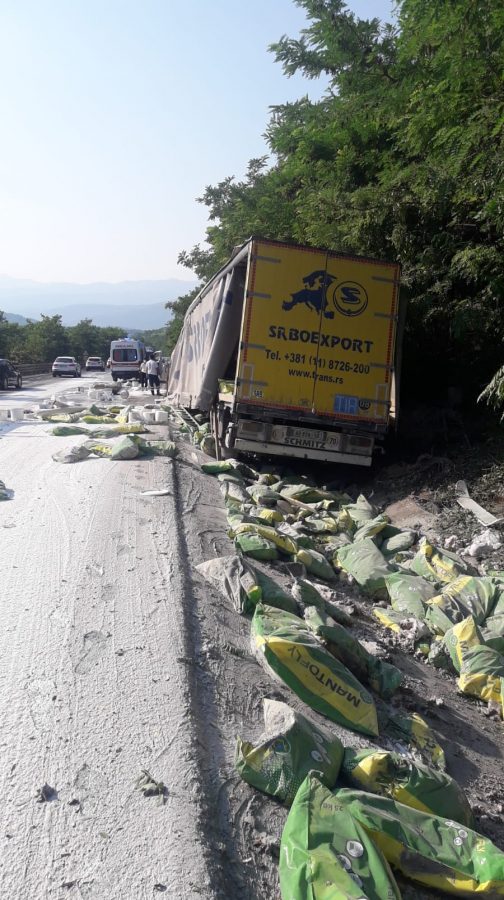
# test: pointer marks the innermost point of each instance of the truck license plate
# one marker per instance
(305, 437)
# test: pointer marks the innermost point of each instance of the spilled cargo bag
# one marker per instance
(255, 546)
(466, 596)
(235, 579)
(412, 783)
(371, 528)
(273, 593)
(270, 516)
(397, 543)
(493, 632)
(73, 455)
(436, 852)
(381, 676)
(281, 541)
(411, 733)
(263, 494)
(159, 448)
(304, 493)
(4, 493)
(127, 448)
(361, 511)
(307, 595)
(367, 565)
(409, 593)
(439, 565)
(288, 750)
(216, 468)
(316, 563)
(320, 524)
(234, 494)
(480, 675)
(326, 855)
(459, 638)
(285, 645)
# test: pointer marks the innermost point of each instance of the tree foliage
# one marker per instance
(402, 158)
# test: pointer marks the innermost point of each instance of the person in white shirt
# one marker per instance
(143, 374)
(153, 375)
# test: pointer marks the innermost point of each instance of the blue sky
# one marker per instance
(115, 116)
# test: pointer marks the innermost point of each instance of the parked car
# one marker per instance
(94, 363)
(9, 376)
(66, 365)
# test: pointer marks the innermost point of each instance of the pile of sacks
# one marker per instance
(355, 813)
(98, 425)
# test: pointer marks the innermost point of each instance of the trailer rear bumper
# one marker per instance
(335, 456)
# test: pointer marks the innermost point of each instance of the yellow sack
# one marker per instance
(438, 565)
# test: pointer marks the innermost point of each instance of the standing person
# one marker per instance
(153, 375)
(143, 374)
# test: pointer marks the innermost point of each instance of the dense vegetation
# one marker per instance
(402, 158)
(41, 341)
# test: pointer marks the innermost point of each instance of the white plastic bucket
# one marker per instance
(17, 414)
(161, 416)
(4, 415)
(135, 415)
(149, 417)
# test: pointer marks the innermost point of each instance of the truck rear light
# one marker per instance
(250, 429)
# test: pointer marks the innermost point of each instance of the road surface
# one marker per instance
(93, 676)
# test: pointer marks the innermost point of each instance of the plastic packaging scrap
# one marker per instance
(437, 852)
(367, 565)
(381, 676)
(288, 750)
(412, 783)
(439, 565)
(411, 733)
(361, 511)
(285, 645)
(325, 854)
(462, 597)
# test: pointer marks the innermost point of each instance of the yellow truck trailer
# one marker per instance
(294, 352)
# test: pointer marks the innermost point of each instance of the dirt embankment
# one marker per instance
(244, 827)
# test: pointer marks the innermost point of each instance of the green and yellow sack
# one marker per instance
(415, 735)
(326, 855)
(255, 546)
(282, 542)
(286, 646)
(288, 750)
(412, 783)
(466, 596)
(364, 562)
(439, 566)
(381, 676)
(460, 638)
(436, 852)
(409, 593)
(316, 563)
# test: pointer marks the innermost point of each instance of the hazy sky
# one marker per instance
(115, 115)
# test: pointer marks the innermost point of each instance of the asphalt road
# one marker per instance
(93, 682)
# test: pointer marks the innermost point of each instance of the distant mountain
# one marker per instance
(18, 320)
(128, 304)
